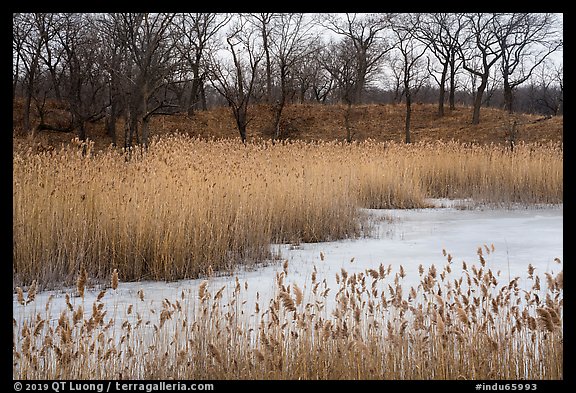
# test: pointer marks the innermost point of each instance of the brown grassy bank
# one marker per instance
(315, 122)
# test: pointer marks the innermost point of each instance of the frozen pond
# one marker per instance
(414, 237)
(409, 238)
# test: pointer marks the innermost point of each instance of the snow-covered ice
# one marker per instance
(520, 236)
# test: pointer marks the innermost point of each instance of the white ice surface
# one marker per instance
(406, 237)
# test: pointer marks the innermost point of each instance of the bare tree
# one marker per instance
(264, 23)
(307, 75)
(411, 52)
(342, 67)
(114, 56)
(547, 89)
(364, 33)
(440, 31)
(526, 40)
(291, 42)
(84, 82)
(313, 76)
(393, 79)
(33, 33)
(138, 64)
(19, 33)
(234, 78)
(146, 37)
(53, 54)
(479, 51)
(195, 35)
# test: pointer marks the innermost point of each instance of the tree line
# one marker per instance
(137, 65)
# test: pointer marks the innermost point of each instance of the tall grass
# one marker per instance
(493, 174)
(187, 205)
(371, 326)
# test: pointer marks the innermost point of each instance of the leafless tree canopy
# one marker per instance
(132, 66)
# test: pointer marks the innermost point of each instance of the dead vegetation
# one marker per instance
(186, 204)
(474, 325)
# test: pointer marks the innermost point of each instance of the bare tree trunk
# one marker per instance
(202, 93)
(27, 105)
(15, 77)
(442, 92)
(127, 132)
(81, 129)
(55, 83)
(279, 107)
(508, 95)
(145, 115)
(241, 122)
(29, 93)
(266, 19)
(111, 119)
(478, 99)
(302, 94)
(268, 70)
(362, 71)
(194, 90)
(408, 116)
(452, 94)
(132, 129)
(145, 130)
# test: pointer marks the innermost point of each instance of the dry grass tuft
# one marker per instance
(32, 292)
(81, 282)
(287, 301)
(114, 282)
(20, 295)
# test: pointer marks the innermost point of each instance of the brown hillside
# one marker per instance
(326, 122)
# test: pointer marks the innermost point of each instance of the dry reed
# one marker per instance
(186, 206)
(446, 328)
(114, 282)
